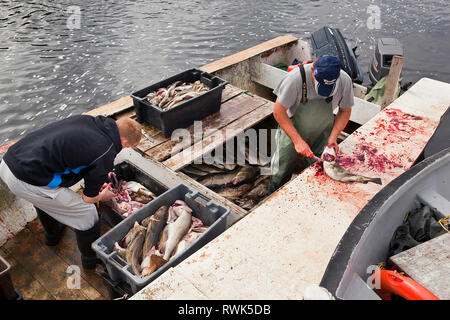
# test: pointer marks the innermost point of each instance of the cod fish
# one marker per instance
(190, 170)
(155, 225)
(235, 177)
(121, 251)
(235, 192)
(140, 193)
(246, 203)
(225, 166)
(163, 238)
(334, 171)
(129, 237)
(187, 240)
(214, 181)
(259, 188)
(152, 262)
(133, 254)
(178, 224)
(245, 174)
(207, 168)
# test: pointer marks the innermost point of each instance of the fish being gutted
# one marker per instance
(334, 171)
(155, 225)
(178, 224)
(128, 196)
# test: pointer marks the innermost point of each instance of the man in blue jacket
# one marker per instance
(43, 165)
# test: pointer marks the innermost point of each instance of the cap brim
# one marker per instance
(327, 90)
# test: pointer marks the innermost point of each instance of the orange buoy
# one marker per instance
(390, 282)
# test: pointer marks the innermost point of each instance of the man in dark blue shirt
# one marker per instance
(42, 165)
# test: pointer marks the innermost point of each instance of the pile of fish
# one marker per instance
(128, 196)
(160, 237)
(244, 185)
(176, 93)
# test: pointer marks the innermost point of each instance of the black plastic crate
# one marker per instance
(210, 212)
(184, 114)
(7, 290)
(129, 172)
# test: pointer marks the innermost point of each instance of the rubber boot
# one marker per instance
(84, 240)
(52, 229)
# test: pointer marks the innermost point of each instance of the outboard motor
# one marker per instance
(385, 50)
(329, 41)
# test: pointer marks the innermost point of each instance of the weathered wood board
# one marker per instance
(219, 137)
(428, 264)
(284, 245)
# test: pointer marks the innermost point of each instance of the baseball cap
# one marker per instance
(327, 72)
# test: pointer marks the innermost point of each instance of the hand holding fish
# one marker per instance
(106, 195)
(332, 143)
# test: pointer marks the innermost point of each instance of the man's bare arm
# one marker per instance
(104, 195)
(341, 120)
(280, 115)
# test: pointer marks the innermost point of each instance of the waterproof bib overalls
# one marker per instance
(314, 121)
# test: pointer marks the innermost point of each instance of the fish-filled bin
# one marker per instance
(241, 171)
(160, 235)
(132, 189)
(178, 101)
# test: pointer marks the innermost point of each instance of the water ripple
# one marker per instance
(50, 72)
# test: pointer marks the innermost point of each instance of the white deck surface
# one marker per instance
(285, 244)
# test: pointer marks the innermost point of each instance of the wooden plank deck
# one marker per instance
(285, 244)
(40, 272)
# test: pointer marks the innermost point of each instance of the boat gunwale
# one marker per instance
(358, 230)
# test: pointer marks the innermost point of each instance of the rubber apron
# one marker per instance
(313, 121)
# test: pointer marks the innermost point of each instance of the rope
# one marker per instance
(445, 222)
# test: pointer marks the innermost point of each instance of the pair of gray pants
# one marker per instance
(63, 204)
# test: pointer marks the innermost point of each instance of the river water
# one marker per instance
(60, 58)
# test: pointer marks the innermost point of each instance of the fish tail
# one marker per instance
(376, 180)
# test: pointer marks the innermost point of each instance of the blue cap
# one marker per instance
(327, 72)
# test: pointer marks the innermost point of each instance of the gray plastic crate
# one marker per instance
(7, 290)
(210, 212)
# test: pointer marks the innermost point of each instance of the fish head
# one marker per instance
(172, 216)
(328, 154)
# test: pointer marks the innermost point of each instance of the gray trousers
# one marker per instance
(63, 204)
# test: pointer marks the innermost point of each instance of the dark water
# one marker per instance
(49, 71)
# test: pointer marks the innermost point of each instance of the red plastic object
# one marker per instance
(292, 67)
(391, 282)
